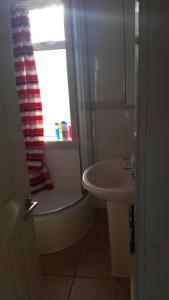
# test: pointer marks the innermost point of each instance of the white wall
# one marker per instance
(113, 133)
(112, 127)
(113, 123)
(64, 167)
(106, 52)
(113, 137)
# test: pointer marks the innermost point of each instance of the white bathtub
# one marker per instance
(62, 218)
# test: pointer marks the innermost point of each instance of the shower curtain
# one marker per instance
(29, 100)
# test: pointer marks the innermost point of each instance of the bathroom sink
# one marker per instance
(109, 180)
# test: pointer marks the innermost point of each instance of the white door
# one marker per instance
(19, 267)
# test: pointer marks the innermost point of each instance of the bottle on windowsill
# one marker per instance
(69, 131)
(64, 131)
(57, 131)
(60, 131)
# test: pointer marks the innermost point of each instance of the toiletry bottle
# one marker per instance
(60, 131)
(57, 131)
(69, 131)
(64, 131)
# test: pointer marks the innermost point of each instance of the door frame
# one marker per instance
(141, 158)
(152, 205)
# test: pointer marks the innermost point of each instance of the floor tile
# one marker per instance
(94, 263)
(94, 289)
(56, 287)
(123, 289)
(97, 239)
(101, 218)
(98, 236)
(60, 263)
(78, 244)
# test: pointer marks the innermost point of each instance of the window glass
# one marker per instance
(52, 73)
(47, 24)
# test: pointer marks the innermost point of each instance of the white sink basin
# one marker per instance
(109, 180)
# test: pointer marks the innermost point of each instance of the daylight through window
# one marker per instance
(48, 38)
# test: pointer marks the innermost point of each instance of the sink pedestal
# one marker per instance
(118, 217)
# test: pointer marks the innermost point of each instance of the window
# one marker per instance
(48, 38)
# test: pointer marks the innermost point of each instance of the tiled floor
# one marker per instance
(83, 271)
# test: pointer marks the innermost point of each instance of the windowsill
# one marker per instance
(61, 145)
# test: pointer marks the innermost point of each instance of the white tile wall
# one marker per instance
(113, 136)
(105, 45)
(113, 133)
(113, 128)
(64, 167)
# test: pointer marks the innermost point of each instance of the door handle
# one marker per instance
(29, 207)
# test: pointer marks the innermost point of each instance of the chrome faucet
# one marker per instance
(130, 163)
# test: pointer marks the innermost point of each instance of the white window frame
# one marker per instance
(41, 46)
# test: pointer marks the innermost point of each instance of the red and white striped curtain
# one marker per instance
(29, 100)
